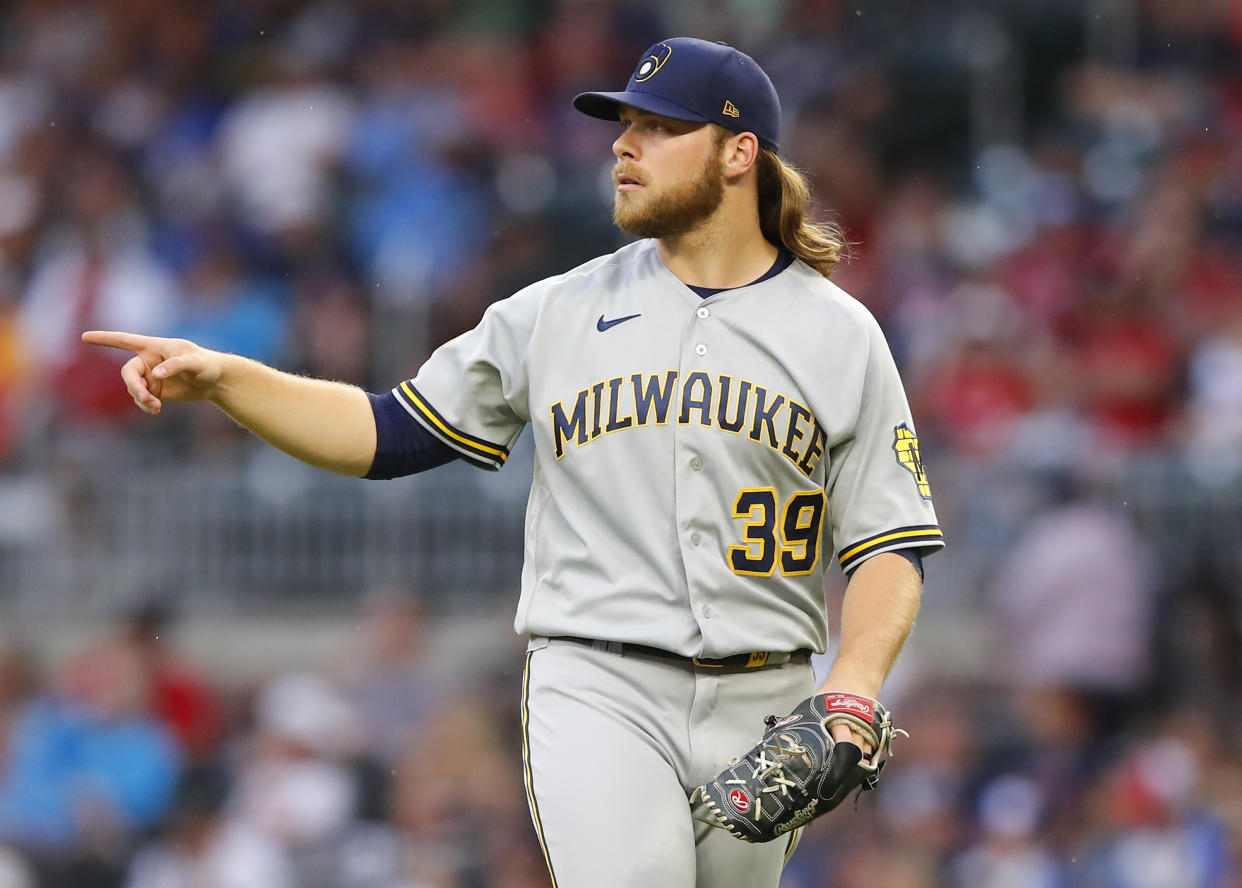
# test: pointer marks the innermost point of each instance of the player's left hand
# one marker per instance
(806, 764)
(844, 732)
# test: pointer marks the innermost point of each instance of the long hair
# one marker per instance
(784, 201)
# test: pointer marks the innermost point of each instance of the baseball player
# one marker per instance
(714, 421)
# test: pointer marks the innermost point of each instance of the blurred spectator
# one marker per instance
(926, 796)
(1071, 608)
(1072, 603)
(1045, 275)
(1214, 402)
(1128, 362)
(294, 786)
(93, 271)
(453, 790)
(331, 326)
(875, 862)
(1154, 834)
(84, 778)
(177, 693)
(10, 368)
(15, 872)
(202, 847)
(390, 683)
(979, 391)
(1009, 854)
(19, 683)
(417, 210)
(229, 309)
(279, 145)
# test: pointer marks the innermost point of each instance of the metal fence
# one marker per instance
(273, 536)
(276, 537)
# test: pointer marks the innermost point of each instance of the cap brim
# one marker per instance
(607, 105)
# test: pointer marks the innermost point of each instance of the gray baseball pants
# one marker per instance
(614, 743)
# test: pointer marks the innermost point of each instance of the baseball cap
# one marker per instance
(690, 79)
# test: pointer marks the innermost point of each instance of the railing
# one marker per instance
(277, 537)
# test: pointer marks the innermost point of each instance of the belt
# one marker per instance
(723, 666)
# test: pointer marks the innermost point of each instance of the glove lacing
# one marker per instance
(771, 771)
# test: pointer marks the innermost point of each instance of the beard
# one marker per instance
(677, 210)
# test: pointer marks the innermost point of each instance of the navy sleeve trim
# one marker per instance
(402, 446)
(476, 450)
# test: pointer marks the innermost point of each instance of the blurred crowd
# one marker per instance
(129, 765)
(1044, 201)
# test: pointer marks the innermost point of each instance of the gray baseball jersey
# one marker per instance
(697, 461)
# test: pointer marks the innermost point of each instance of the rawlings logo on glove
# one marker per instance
(859, 706)
(797, 772)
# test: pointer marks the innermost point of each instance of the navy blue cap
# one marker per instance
(690, 79)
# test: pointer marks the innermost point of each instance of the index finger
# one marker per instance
(116, 339)
(842, 733)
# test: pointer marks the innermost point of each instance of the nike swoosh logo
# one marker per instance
(601, 325)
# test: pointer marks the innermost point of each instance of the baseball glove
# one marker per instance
(796, 772)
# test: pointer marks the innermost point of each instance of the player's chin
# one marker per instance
(630, 211)
(625, 201)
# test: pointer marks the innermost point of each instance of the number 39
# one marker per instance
(798, 544)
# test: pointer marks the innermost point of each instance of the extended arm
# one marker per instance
(329, 425)
(881, 602)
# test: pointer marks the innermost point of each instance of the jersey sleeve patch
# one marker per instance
(906, 449)
(915, 536)
(476, 450)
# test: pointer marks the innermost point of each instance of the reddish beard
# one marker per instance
(677, 210)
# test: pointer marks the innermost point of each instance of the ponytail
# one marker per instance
(784, 201)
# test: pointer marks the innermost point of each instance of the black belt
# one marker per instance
(723, 666)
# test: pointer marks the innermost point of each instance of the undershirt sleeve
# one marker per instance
(911, 555)
(402, 445)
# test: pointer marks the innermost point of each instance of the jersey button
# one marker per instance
(707, 612)
(700, 349)
(702, 312)
(696, 464)
(695, 539)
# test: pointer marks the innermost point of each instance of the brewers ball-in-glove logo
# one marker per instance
(652, 62)
(906, 446)
(797, 771)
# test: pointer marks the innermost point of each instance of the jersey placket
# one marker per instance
(691, 489)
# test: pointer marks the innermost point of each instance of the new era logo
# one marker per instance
(730, 110)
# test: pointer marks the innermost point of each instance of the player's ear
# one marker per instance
(739, 151)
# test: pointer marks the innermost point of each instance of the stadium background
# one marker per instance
(213, 657)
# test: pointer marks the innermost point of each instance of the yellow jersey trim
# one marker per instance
(474, 445)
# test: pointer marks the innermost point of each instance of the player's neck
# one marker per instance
(723, 252)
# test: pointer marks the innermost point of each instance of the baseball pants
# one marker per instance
(614, 744)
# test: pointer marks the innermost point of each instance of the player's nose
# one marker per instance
(625, 147)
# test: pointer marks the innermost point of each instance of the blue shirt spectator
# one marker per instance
(71, 771)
